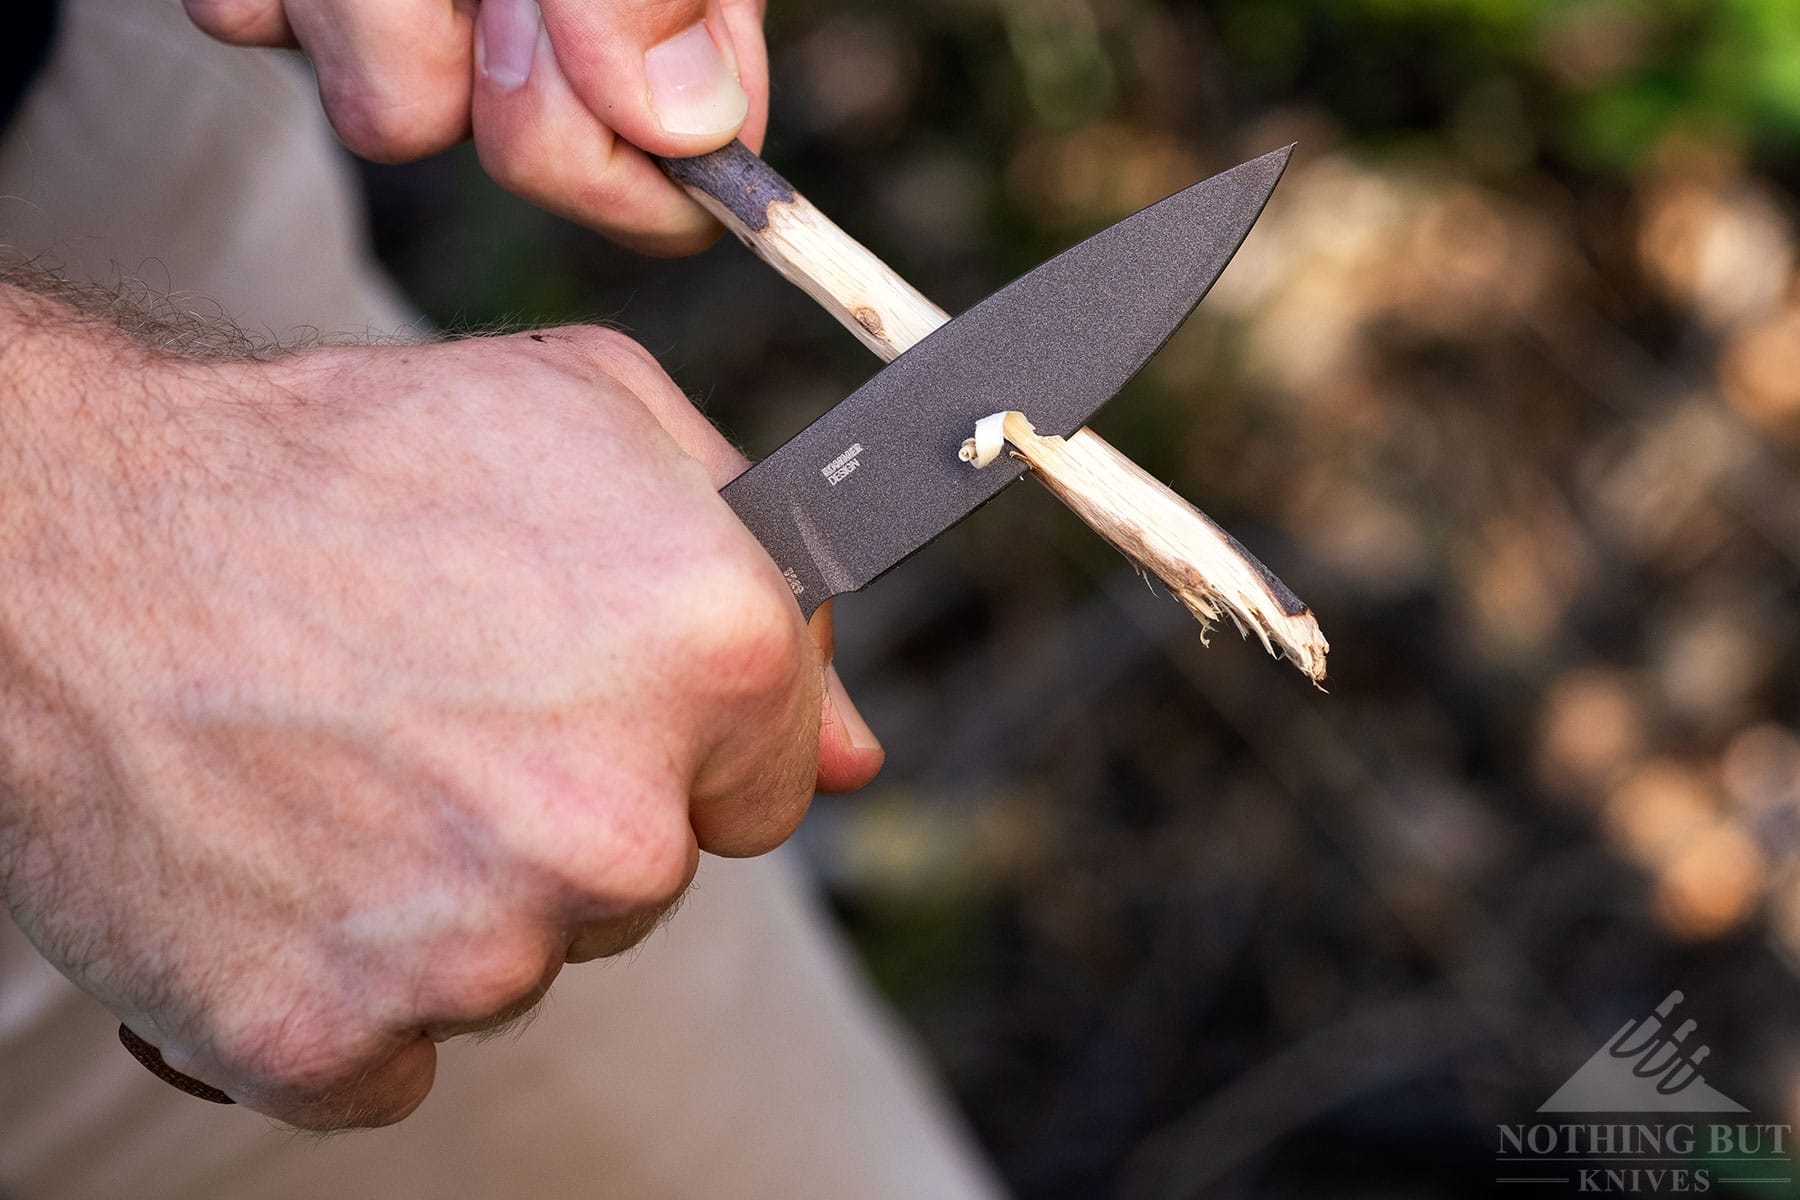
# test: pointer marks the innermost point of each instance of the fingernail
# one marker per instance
(693, 87)
(506, 39)
(855, 728)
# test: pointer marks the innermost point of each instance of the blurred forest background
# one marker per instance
(1506, 384)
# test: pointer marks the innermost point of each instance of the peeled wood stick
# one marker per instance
(1205, 567)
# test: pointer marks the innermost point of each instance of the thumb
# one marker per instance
(850, 755)
(669, 76)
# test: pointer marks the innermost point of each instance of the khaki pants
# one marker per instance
(736, 1055)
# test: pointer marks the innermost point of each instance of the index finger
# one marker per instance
(393, 75)
(547, 128)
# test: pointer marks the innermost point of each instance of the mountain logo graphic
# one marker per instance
(1648, 1066)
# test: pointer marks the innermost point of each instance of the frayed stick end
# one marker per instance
(1206, 569)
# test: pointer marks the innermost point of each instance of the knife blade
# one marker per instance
(877, 477)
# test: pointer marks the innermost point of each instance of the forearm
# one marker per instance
(40, 339)
(91, 380)
(72, 358)
(84, 433)
(69, 379)
(49, 356)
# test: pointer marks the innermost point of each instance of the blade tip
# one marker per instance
(1280, 157)
(1266, 168)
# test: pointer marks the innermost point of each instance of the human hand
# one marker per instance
(344, 697)
(564, 103)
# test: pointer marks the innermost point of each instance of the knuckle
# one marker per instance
(623, 852)
(320, 1068)
(387, 1084)
(678, 235)
(297, 1055)
(650, 867)
(515, 165)
(628, 364)
(236, 22)
(751, 643)
(774, 813)
(493, 978)
(394, 128)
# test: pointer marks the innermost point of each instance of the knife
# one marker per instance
(883, 473)
(880, 475)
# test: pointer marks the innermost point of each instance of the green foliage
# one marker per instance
(1609, 79)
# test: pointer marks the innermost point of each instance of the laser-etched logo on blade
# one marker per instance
(1649, 1068)
(843, 466)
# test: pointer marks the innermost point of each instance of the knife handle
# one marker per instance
(783, 228)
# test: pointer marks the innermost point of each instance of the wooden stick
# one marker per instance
(1205, 567)
(783, 229)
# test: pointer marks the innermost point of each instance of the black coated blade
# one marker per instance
(877, 477)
